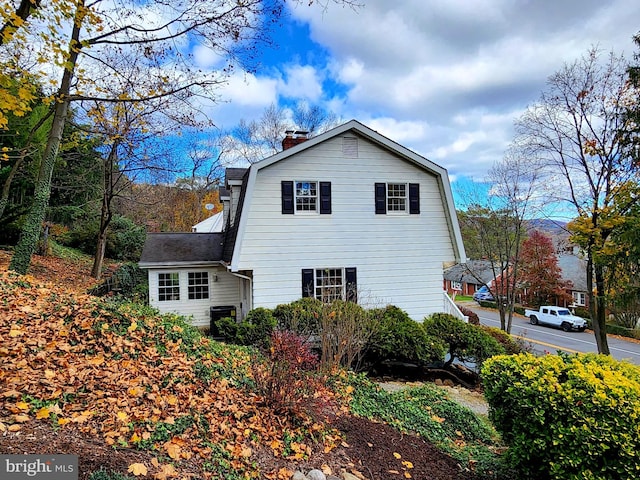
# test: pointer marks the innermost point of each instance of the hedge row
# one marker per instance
(394, 336)
(566, 416)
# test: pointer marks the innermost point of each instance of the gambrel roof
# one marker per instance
(358, 129)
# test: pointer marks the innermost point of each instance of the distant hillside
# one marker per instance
(552, 227)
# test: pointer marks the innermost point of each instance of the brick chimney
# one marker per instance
(292, 138)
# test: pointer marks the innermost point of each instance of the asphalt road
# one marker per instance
(549, 339)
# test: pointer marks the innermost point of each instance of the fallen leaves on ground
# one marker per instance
(78, 363)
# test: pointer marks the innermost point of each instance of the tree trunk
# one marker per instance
(99, 256)
(30, 234)
(31, 231)
(596, 304)
(601, 312)
(106, 214)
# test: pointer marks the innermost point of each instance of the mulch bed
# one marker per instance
(376, 450)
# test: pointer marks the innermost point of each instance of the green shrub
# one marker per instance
(301, 316)
(228, 329)
(510, 345)
(255, 329)
(582, 312)
(466, 342)
(129, 281)
(400, 338)
(125, 239)
(623, 331)
(566, 417)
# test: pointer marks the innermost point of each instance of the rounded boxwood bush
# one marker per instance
(399, 338)
(566, 416)
(255, 329)
(300, 316)
(467, 343)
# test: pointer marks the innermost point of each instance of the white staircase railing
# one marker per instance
(451, 308)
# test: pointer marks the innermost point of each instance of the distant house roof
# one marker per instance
(574, 269)
(476, 272)
(209, 225)
(181, 248)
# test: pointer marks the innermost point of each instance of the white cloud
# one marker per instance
(301, 82)
(247, 89)
(206, 57)
(447, 78)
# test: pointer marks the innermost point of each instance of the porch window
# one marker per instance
(168, 286)
(198, 287)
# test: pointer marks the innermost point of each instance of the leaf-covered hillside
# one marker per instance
(132, 379)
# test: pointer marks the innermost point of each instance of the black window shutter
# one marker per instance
(381, 198)
(287, 197)
(352, 284)
(325, 197)
(414, 198)
(307, 282)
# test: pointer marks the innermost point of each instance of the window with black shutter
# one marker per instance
(351, 282)
(397, 198)
(287, 197)
(325, 197)
(329, 284)
(381, 198)
(307, 282)
(306, 197)
(414, 198)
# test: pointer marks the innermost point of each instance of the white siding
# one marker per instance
(398, 258)
(224, 291)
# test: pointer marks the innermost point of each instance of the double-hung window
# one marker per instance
(168, 286)
(301, 197)
(579, 298)
(306, 197)
(329, 284)
(198, 287)
(397, 198)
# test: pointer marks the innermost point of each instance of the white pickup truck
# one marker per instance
(556, 316)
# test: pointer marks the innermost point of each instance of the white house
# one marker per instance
(347, 214)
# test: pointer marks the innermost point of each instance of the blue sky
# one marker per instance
(446, 78)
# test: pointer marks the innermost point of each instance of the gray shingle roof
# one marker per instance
(474, 271)
(574, 269)
(176, 248)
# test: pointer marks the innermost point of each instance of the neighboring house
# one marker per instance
(348, 214)
(214, 223)
(467, 278)
(574, 269)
